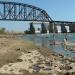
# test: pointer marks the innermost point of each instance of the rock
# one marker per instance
(70, 49)
(18, 49)
(5, 68)
(28, 52)
(72, 60)
(66, 67)
(72, 73)
(48, 69)
(73, 51)
(48, 63)
(60, 55)
(46, 37)
(11, 70)
(19, 60)
(10, 64)
(36, 68)
(67, 73)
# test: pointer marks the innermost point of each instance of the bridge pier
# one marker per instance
(52, 27)
(40, 27)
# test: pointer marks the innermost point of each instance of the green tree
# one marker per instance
(2, 30)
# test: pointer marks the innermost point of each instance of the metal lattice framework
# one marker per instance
(22, 12)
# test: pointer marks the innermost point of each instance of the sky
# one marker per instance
(59, 10)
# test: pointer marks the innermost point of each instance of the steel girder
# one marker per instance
(22, 12)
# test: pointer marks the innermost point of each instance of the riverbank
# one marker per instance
(22, 57)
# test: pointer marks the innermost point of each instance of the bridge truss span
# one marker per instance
(22, 12)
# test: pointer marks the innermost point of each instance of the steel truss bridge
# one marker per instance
(23, 12)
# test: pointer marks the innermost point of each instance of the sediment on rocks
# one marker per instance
(22, 57)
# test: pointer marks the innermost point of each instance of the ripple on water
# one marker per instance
(43, 40)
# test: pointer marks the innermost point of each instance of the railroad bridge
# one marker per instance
(23, 12)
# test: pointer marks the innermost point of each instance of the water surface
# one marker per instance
(44, 40)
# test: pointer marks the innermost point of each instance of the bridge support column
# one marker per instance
(63, 29)
(32, 29)
(43, 28)
(50, 27)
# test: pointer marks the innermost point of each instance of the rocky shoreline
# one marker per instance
(19, 57)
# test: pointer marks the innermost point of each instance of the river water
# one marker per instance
(45, 39)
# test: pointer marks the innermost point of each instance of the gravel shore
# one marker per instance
(22, 57)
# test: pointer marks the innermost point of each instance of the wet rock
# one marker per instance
(70, 49)
(60, 55)
(67, 54)
(46, 37)
(73, 51)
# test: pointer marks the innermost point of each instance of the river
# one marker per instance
(45, 39)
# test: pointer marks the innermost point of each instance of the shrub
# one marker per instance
(2, 30)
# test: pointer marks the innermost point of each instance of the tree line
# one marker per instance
(2, 30)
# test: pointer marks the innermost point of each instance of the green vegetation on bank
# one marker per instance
(31, 29)
(2, 30)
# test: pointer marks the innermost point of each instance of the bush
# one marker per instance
(31, 29)
(27, 32)
(2, 30)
